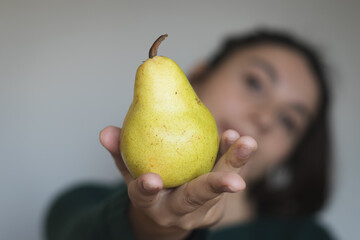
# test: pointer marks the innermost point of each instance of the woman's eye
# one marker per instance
(253, 83)
(288, 123)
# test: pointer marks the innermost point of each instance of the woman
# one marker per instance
(268, 95)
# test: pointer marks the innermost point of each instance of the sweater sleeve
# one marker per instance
(92, 212)
(89, 212)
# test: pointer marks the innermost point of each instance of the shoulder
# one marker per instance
(80, 196)
(86, 192)
(88, 211)
(276, 228)
(310, 228)
(307, 227)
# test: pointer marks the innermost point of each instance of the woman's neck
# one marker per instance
(238, 210)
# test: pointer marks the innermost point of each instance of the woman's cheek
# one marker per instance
(277, 150)
(271, 152)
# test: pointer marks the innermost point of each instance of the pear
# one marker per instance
(167, 130)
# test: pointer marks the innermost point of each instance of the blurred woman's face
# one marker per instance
(267, 92)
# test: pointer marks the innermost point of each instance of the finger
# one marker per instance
(143, 192)
(227, 139)
(203, 189)
(237, 155)
(110, 139)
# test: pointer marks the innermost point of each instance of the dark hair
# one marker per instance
(309, 163)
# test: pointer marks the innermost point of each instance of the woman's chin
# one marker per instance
(250, 173)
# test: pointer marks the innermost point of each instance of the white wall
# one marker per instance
(67, 70)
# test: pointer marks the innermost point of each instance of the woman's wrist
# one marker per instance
(144, 227)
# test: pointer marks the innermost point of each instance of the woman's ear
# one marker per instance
(197, 71)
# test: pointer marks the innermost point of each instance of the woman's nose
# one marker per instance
(263, 119)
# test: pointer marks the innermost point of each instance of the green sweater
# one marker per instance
(100, 212)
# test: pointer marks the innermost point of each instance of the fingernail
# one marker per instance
(230, 189)
(148, 186)
(229, 142)
(231, 138)
(244, 152)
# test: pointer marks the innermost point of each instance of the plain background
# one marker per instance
(67, 70)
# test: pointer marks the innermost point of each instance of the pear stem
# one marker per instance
(155, 46)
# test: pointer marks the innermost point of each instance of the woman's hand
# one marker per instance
(158, 213)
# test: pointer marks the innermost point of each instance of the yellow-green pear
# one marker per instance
(167, 129)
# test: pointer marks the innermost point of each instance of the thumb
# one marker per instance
(110, 139)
